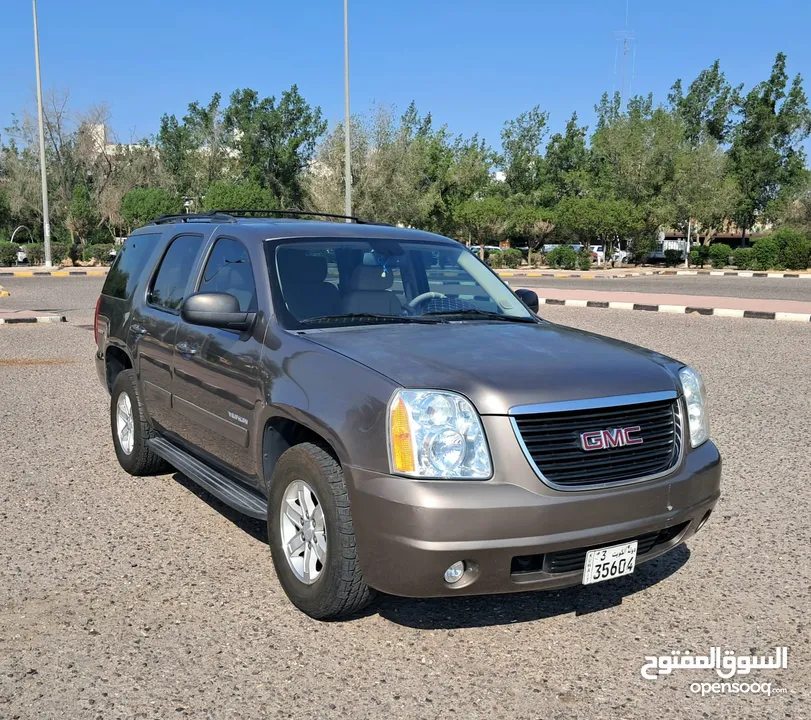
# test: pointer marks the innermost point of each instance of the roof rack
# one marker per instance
(295, 213)
(213, 216)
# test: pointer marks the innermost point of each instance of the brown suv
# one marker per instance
(402, 419)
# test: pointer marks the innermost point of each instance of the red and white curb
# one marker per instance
(681, 309)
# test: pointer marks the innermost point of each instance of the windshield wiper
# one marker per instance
(372, 317)
(480, 313)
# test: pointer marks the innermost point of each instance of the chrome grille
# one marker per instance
(551, 440)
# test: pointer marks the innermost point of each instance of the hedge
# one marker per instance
(99, 252)
(8, 253)
(673, 257)
(563, 256)
(512, 258)
(719, 254)
(765, 254)
(743, 258)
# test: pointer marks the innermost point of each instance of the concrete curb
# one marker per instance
(592, 276)
(52, 273)
(38, 319)
(681, 309)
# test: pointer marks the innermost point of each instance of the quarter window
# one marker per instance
(128, 265)
(228, 270)
(169, 286)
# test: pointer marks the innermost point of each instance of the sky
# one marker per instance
(472, 64)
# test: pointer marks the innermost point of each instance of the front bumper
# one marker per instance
(410, 531)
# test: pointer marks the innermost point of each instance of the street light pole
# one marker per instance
(347, 119)
(46, 222)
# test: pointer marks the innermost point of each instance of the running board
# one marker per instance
(229, 491)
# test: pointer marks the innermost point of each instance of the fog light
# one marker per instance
(454, 572)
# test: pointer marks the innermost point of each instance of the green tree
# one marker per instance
(605, 220)
(633, 156)
(275, 141)
(178, 151)
(246, 195)
(702, 193)
(141, 205)
(567, 160)
(522, 146)
(706, 108)
(483, 218)
(82, 215)
(529, 225)
(767, 156)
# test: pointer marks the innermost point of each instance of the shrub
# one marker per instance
(699, 255)
(563, 256)
(35, 253)
(765, 253)
(794, 250)
(99, 252)
(673, 257)
(719, 254)
(584, 260)
(59, 252)
(536, 259)
(742, 258)
(512, 258)
(8, 253)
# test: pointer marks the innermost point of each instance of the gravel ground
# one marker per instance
(761, 288)
(145, 598)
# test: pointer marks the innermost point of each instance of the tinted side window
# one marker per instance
(128, 265)
(169, 286)
(228, 270)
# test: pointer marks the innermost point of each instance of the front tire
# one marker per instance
(312, 538)
(131, 430)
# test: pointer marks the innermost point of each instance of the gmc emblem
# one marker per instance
(604, 439)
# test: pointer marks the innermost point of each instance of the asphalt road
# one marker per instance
(761, 288)
(146, 598)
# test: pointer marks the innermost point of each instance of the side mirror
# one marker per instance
(529, 298)
(219, 310)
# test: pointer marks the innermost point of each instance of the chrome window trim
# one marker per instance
(593, 403)
(650, 397)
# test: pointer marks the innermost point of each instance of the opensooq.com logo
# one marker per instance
(726, 664)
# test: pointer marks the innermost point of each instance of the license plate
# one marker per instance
(608, 563)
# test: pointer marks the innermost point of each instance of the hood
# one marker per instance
(499, 365)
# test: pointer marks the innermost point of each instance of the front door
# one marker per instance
(215, 387)
(154, 326)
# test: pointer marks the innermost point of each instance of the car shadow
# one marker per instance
(257, 529)
(452, 613)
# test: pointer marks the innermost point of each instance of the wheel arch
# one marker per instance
(115, 361)
(281, 432)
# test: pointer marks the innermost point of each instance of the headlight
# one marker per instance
(436, 434)
(695, 398)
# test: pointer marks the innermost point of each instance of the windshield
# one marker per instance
(350, 282)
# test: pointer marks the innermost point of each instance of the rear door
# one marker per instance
(215, 388)
(154, 324)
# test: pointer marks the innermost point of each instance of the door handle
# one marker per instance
(137, 329)
(186, 349)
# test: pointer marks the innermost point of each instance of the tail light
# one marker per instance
(96, 321)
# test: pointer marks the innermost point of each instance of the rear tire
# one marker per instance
(130, 437)
(333, 588)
